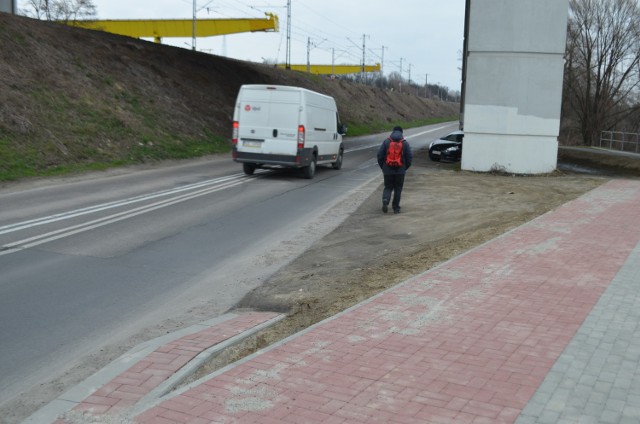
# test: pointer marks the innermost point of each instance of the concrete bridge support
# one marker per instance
(512, 84)
(9, 6)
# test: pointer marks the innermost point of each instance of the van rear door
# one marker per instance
(268, 122)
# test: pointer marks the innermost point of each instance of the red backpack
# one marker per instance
(394, 153)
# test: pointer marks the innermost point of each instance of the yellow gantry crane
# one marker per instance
(332, 69)
(159, 28)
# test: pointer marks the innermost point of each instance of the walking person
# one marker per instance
(394, 158)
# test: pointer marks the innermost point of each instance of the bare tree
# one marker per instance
(37, 9)
(603, 64)
(60, 10)
(395, 80)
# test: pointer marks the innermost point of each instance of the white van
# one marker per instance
(276, 125)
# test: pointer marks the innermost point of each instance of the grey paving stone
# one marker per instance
(610, 417)
(597, 378)
(602, 387)
(615, 404)
(632, 411)
(526, 419)
(548, 417)
(568, 421)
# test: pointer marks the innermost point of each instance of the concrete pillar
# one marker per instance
(513, 85)
(9, 6)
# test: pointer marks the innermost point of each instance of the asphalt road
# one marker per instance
(101, 260)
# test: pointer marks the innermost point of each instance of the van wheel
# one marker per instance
(338, 163)
(249, 168)
(310, 171)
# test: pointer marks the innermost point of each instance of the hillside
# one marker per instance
(73, 99)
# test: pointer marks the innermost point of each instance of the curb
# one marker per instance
(76, 395)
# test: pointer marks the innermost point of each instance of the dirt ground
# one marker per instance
(445, 212)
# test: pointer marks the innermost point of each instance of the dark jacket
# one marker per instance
(407, 155)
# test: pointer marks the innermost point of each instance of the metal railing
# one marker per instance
(622, 141)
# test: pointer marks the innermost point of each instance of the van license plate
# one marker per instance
(251, 143)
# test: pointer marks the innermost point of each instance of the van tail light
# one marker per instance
(300, 136)
(234, 134)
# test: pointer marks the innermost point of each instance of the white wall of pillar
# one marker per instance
(513, 86)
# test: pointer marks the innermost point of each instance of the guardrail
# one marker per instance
(622, 141)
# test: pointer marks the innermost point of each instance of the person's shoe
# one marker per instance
(384, 208)
(396, 210)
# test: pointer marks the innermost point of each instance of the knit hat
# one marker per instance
(396, 134)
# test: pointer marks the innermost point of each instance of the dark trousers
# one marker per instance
(393, 183)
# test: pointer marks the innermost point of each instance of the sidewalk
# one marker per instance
(540, 325)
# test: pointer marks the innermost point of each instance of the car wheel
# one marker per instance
(338, 163)
(249, 168)
(310, 171)
(434, 158)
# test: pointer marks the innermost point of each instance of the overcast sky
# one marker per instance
(423, 38)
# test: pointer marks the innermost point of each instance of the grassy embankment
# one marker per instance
(28, 160)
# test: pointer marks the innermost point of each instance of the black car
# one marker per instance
(448, 147)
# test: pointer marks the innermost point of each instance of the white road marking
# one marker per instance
(221, 184)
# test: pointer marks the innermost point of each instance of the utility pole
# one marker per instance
(287, 61)
(309, 47)
(426, 85)
(363, 57)
(333, 62)
(193, 38)
(382, 64)
(401, 75)
(308, 54)
(363, 53)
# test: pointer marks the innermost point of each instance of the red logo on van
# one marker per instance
(247, 108)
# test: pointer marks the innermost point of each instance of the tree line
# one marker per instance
(602, 70)
(397, 83)
(60, 10)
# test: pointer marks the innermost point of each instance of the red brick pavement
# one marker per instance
(124, 391)
(467, 342)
